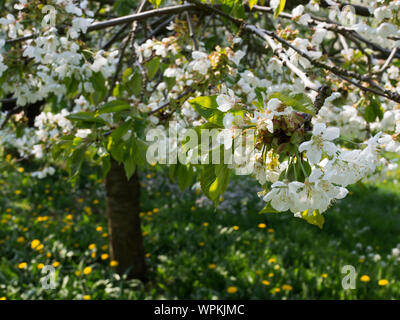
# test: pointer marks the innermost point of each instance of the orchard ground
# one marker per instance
(192, 250)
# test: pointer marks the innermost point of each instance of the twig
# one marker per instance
(388, 61)
(191, 32)
(166, 104)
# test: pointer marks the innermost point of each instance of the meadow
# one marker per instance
(194, 251)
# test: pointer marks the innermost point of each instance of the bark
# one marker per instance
(125, 234)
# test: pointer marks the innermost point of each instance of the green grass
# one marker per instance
(194, 251)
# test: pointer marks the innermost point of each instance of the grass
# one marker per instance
(192, 250)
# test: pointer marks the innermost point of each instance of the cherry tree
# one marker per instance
(304, 96)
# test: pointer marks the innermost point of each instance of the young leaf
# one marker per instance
(298, 101)
(316, 218)
(207, 106)
(252, 3)
(280, 8)
(114, 106)
(152, 67)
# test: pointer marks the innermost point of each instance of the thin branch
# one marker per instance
(388, 61)
(166, 104)
(140, 16)
(191, 31)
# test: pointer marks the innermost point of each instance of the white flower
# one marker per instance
(226, 101)
(386, 29)
(37, 151)
(99, 62)
(319, 142)
(381, 13)
(83, 133)
(395, 252)
(298, 11)
(200, 63)
(238, 56)
(280, 196)
(274, 64)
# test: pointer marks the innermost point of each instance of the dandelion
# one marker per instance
(21, 170)
(270, 275)
(104, 235)
(93, 254)
(78, 273)
(48, 255)
(192, 208)
(262, 225)
(205, 224)
(365, 278)
(232, 289)
(156, 210)
(287, 287)
(92, 246)
(22, 265)
(272, 260)
(95, 201)
(40, 266)
(324, 275)
(20, 239)
(86, 297)
(201, 244)
(113, 263)
(235, 228)
(212, 266)
(56, 264)
(277, 290)
(277, 267)
(87, 270)
(99, 229)
(104, 256)
(270, 230)
(3, 298)
(69, 217)
(104, 248)
(17, 192)
(383, 282)
(265, 282)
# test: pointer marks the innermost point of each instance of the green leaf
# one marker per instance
(74, 162)
(185, 176)
(373, 110)
(120, 131)
(99, 86)
(152, 67)
(125, 75)
(297, 100)
(214, 181)
(114, 106)
(135, 84)
(85, 117)
(130, 167)
(316, 218)
(268, 209)
(207, 106)
(105, 165)
(280, 8)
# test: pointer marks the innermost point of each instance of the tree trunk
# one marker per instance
(125, 233)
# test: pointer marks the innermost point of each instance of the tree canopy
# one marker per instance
(304, 96)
